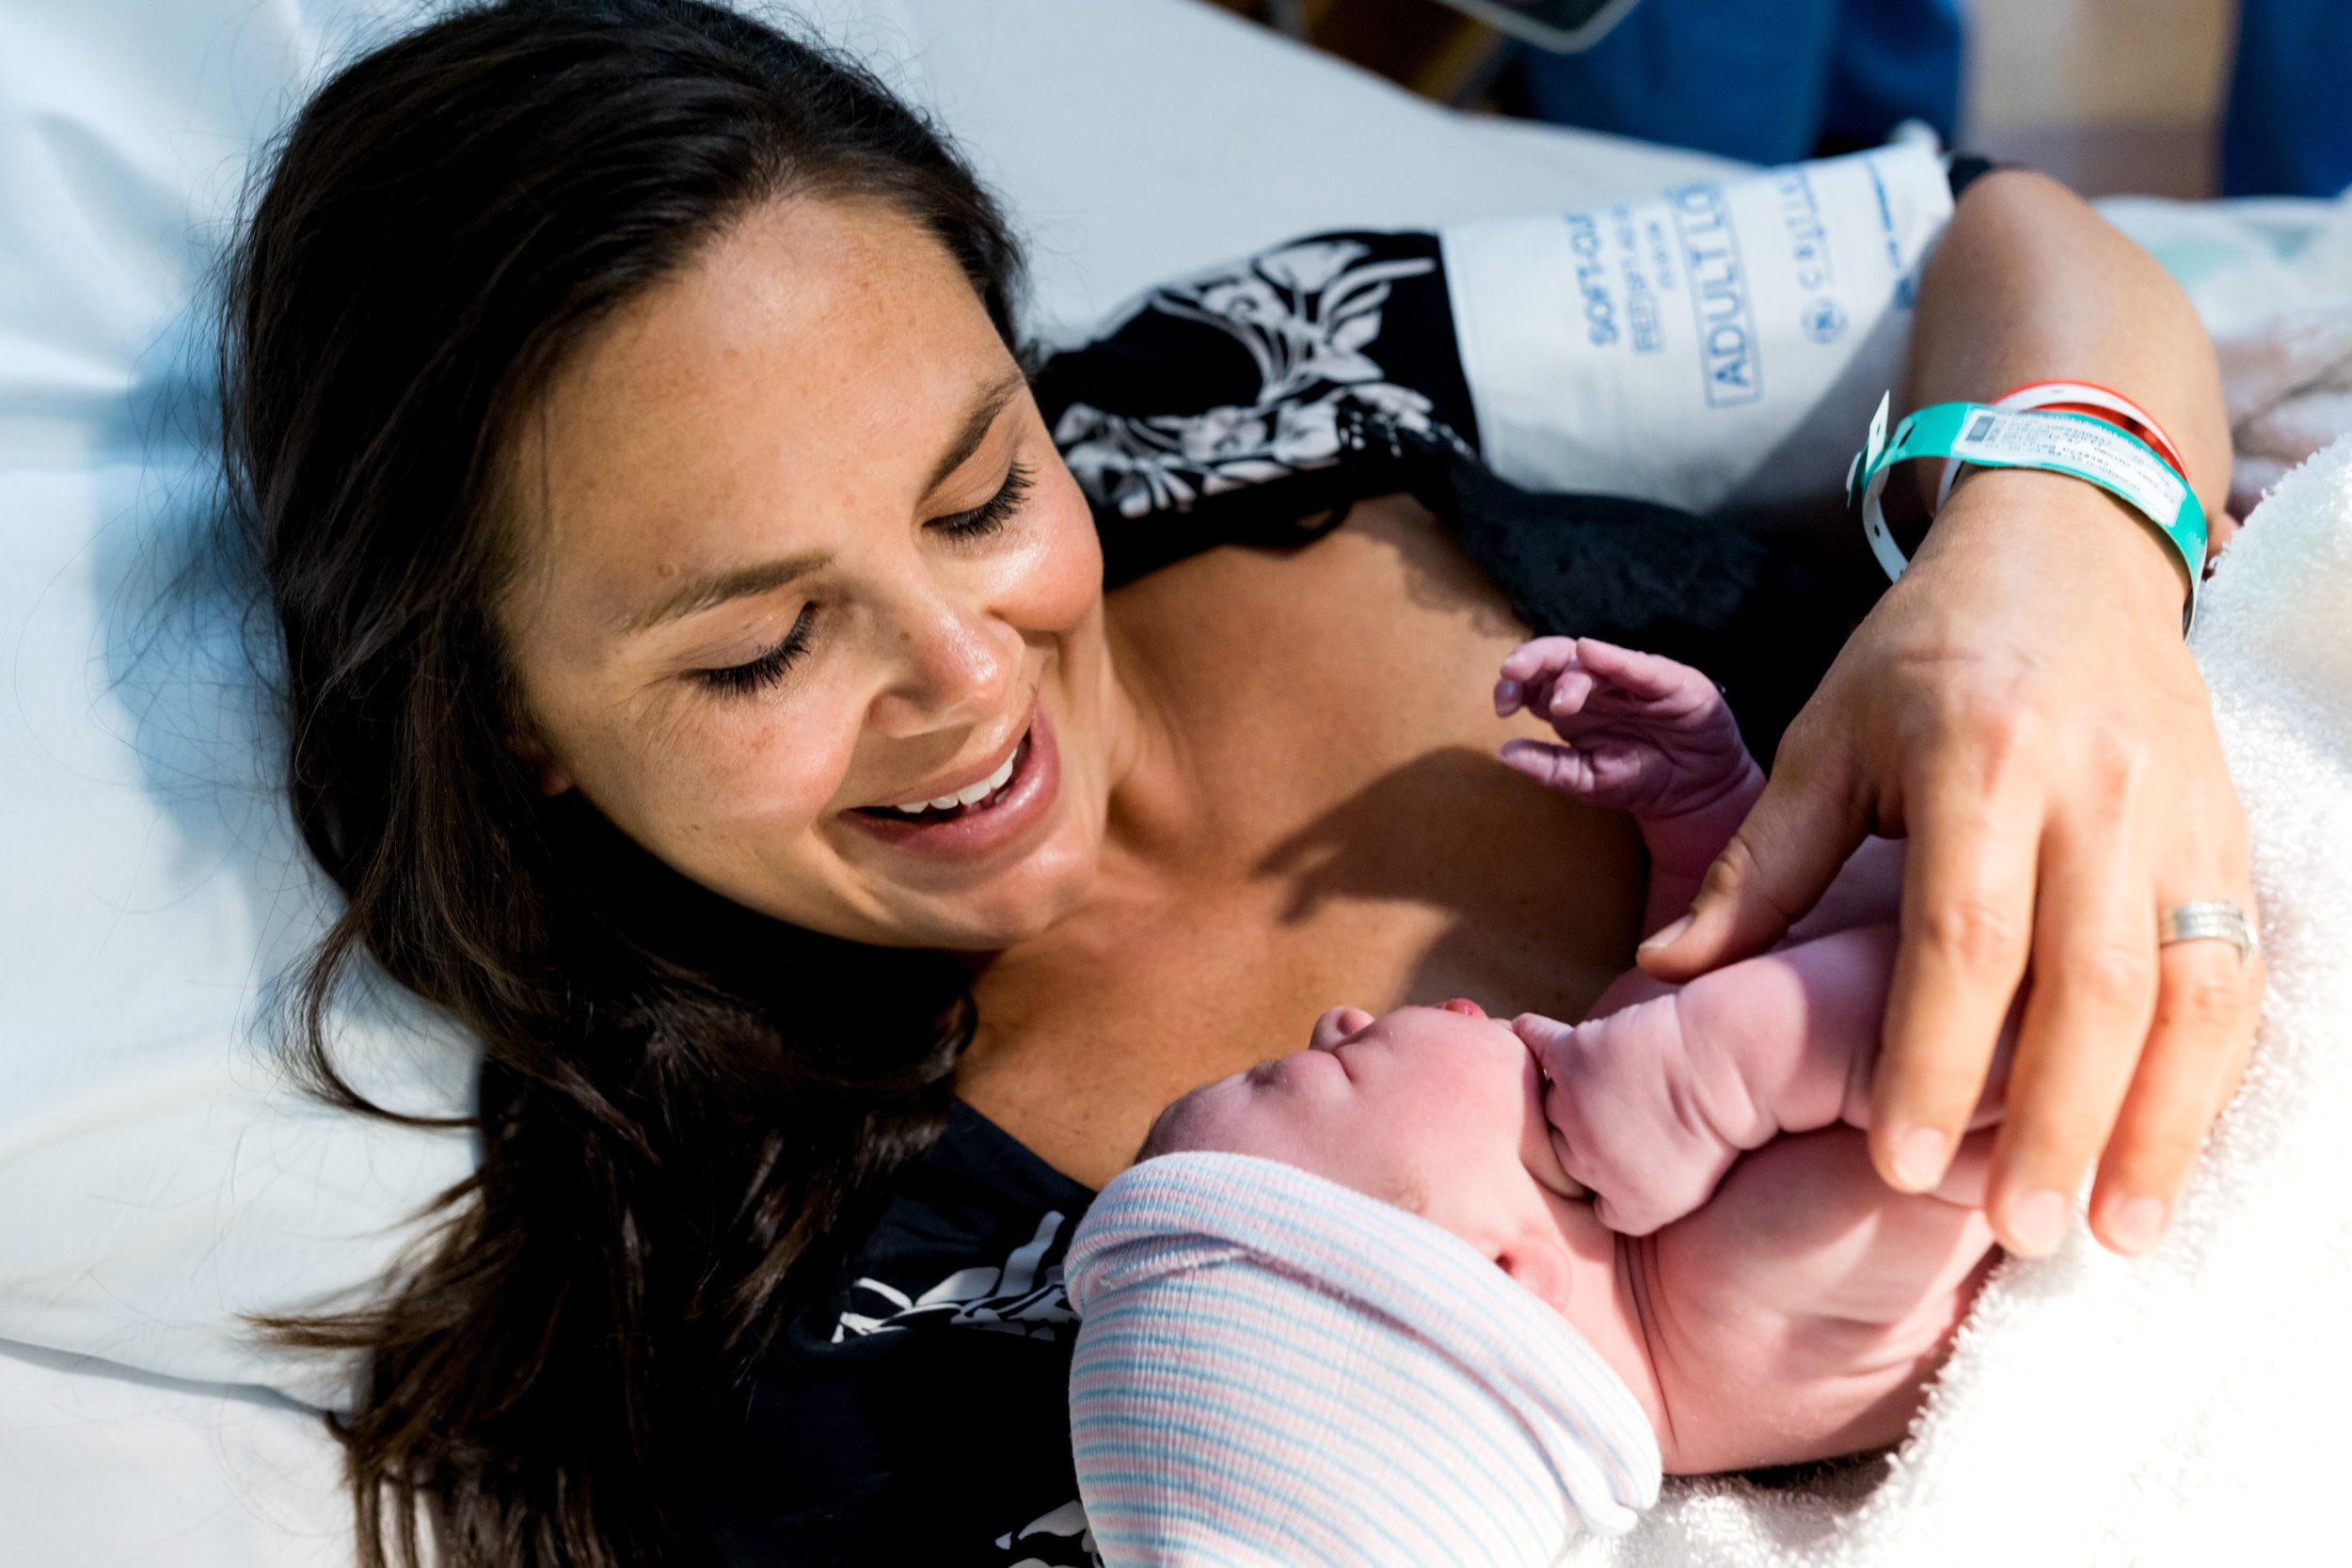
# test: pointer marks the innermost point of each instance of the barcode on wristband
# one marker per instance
(2098, 450)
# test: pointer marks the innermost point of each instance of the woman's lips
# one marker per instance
(964, 832)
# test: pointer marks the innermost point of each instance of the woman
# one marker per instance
(701, 681)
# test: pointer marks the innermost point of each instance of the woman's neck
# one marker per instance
(1157, 794)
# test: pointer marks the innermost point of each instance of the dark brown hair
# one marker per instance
(679, 1100)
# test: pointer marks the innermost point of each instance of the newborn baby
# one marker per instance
(1266, 1368)
(1653, 1097)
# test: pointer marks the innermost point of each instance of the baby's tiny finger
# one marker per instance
(1539, 654)
(1966, 1179)
(1649, 676)
(1545, 1036)
(1553, 767)
(1570, 689)
(1566, 1183)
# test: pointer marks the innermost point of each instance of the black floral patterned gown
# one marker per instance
(915, 1416)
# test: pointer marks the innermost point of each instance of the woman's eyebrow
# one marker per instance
(979, 415)
(712, 589)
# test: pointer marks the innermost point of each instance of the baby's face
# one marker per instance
(1437, 1110)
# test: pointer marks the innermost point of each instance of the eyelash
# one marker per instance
(992, 513)
(770, 667)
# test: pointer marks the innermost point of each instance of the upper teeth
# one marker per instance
(970, 794)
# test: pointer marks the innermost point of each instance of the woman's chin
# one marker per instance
(1017, 908)
(1012, 905)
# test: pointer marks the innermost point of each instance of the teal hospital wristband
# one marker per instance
(2088, 448)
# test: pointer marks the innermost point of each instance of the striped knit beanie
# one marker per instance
(1273, 1371)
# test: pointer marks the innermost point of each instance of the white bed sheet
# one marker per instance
(129, 1470)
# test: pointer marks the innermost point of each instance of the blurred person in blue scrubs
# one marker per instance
(1770, 81)
(2289, 129)
(1775, 80)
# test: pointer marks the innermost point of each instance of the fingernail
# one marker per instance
(2136, 1224)
(1919, 1158)
(2036, 1223)
(1665, 935)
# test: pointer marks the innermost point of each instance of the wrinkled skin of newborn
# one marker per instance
(1796, 1316)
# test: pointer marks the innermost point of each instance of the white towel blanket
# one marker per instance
(2193, 1406)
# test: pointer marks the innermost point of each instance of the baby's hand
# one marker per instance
(1651, 1104)
(1641, 733)
(1627, 1123)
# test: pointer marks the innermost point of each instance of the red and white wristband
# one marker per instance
(2086, 398)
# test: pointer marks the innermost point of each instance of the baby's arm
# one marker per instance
(1640, 734)
(1799, 1313)
(1651, 1104)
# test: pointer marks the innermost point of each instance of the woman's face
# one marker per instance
(797, 552)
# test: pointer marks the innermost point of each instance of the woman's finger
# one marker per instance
(2078, 1044)
(2208, 1003)
(1789, 849)
(1967, 919)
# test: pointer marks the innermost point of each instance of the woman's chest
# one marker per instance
(1358, 843)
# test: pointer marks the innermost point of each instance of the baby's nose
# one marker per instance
(1464, 1006)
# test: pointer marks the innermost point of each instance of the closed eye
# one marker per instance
(770, 667)
(992, 513)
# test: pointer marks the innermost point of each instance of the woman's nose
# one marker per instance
(954, 665)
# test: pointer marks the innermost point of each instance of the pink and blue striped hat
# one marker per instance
(1272, 1369)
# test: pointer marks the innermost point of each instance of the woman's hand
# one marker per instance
(2021, 708)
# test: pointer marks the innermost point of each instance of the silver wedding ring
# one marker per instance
(2209, 920)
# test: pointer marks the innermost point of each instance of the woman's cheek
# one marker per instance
(1061, 581)
(792, 776)
(764, 766)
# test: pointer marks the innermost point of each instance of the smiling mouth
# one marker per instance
(969, 800)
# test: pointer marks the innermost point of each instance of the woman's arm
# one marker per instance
(2022, 707)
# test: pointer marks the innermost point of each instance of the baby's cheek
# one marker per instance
(1388, 1157)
